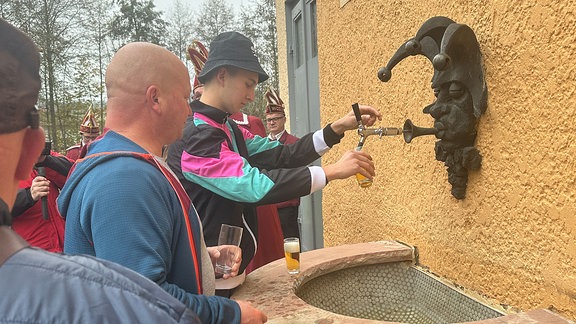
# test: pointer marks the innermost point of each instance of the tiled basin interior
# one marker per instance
(395, 292)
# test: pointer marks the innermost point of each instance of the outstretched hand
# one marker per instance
(250, 314)
(348, 122)
(350, 163)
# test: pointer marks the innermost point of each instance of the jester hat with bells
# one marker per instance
(89, 126)
(198, 54)
(275, 104)
(454, 52)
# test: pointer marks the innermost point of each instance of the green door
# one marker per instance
(305, 102)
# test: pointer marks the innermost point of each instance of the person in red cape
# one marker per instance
(45, 231)
(275, 121)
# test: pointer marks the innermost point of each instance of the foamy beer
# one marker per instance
(292, 254)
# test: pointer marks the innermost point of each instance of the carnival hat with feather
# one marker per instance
(198, 54)
(89, 125)
(274, 103)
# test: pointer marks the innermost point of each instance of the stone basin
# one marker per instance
(370, 280)
(397, 292)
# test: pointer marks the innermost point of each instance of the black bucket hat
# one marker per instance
(232, 49)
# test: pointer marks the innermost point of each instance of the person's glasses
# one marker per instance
(275, 119)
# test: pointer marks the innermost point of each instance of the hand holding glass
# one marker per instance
(228, 242)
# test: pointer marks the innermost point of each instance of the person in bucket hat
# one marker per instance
(270, 233)
(227, 171)
(198, 54)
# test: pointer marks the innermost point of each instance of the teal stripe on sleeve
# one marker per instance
(249, 188)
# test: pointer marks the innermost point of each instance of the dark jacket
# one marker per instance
(227, 171)
(285, 139)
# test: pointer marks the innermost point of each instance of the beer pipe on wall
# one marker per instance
(364, 132)
(460, 91)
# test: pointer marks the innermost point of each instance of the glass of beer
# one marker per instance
(292, 254)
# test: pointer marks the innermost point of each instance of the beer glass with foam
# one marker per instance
(292, 254)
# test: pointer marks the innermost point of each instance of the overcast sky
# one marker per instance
(165, 5)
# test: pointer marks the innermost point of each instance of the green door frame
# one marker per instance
(304, 98)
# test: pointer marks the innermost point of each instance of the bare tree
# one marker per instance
(100, 35)
(180, 28)
(55, 26)
(216, 17)
(258, 22)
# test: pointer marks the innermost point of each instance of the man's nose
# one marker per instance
(251, 95)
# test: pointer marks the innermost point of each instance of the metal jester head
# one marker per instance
(460, 90)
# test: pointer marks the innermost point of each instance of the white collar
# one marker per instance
(277, 136)
(244, 120)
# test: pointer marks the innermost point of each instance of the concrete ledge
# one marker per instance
(272, 290)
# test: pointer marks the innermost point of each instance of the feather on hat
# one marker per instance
(198, 54)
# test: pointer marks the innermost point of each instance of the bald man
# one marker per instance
(42, 287)
(122, 203)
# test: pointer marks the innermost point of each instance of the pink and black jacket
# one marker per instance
(227, 172)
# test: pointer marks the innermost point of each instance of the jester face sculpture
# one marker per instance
(453, 115)
(460, 90)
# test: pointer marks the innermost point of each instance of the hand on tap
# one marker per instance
(348, 122)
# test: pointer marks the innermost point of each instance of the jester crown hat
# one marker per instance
(198, 54)
(89, 124)
(275, 104)
(454, 52)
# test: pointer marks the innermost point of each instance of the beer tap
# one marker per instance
(364, 132)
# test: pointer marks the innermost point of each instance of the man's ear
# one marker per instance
(222, 75)
(152, 97)
(32, 146)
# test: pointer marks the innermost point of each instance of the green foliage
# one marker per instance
(138, 21)
(56, 27)
(78, 38)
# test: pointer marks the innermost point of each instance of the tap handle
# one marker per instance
(356, 110)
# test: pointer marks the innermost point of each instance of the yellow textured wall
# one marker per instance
(514, 237)
(282, 60)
